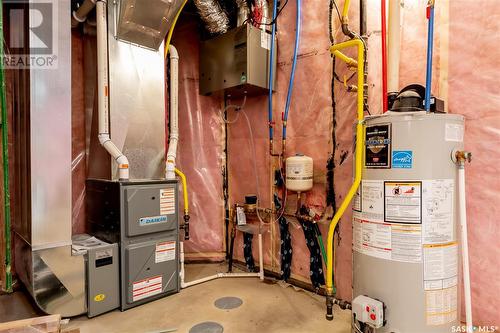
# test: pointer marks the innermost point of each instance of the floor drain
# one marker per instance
(228, 303)
(207, 327)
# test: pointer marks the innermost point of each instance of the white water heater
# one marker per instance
(405, 225)
(299, 173)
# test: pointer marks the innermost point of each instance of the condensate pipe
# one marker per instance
(384, 55)
(460, 158)
(103, 93)
(80, 15)
(394, 45)
(430, 45)
(184, 284)
(358, 158)
(174, 112)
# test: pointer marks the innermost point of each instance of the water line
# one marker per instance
(271, 76)
(292, 74)
(430, 40)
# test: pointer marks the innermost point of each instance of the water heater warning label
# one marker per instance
(387, 240)
(403, 202)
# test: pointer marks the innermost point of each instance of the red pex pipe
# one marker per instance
(384, 55)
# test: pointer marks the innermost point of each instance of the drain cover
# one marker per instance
(228, 303)
(207, 327)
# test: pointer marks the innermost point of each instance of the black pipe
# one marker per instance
(362, 18)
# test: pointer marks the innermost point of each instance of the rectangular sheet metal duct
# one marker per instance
(146, 22)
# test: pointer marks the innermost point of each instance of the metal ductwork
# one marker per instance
(145, 22)
(42, 198)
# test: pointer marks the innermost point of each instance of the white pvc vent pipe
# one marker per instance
(184, 284)
(174, 112)
(103, 92)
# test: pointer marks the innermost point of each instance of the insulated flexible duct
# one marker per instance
(216, 21)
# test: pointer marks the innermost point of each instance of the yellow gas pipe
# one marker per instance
(171, 31)
(182, 176)
(335, 50)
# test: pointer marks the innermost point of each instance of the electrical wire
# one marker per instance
(273, 21)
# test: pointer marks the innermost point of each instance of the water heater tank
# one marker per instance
(299, 173)
(405, 221)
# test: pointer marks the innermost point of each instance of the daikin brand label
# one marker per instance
(152, 220)
(402, 159)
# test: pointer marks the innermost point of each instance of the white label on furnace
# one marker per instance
(372, 200)
(454, 132)
(165, 251)
(167, 201)
(146, 288)
(441, 306)
(438, 210)
(403, 202)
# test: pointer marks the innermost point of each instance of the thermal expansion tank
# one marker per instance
(405, 223)
(299, 173)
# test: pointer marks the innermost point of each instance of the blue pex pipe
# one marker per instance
(294, 65)
(430, 39)
(271, 74)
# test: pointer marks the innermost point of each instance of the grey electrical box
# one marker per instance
(142, 216)
(237, 62)
(103, 279)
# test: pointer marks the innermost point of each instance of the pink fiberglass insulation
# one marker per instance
(474, 71)
(79, 161)
(200, 151)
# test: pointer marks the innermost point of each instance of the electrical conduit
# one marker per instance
(7, 286)
(174, 113)
(357, 174)
(271, 77)
(430, 45)
(103, 92)
(292, 75)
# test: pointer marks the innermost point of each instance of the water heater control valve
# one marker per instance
(369, 311)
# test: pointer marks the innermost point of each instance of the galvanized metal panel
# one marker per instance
(50, 122)
(137, 105)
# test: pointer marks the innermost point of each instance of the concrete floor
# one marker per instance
(267, 308)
